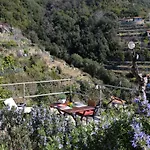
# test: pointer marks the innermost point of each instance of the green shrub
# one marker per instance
(9, 44)
(43, 129)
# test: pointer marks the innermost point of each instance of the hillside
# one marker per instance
(83, 34)
(20, 47)
(23, 61)
(87, 28)
(48, 40)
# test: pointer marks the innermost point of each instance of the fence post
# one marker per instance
(99, 87)
(100, 95)
(24, 93)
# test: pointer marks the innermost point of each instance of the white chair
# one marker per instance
(11, 103)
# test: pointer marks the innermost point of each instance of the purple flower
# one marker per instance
(145, 102)
(140, 137)
(134, 144)
(148, 106)
(136, 126)
(148, 141)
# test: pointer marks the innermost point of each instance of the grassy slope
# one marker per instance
(25, 46)
(37, 65)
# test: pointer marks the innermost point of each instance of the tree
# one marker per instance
(76, 60)
(141, 79)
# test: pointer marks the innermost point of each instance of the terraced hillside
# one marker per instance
(16, 45)
(125, 67)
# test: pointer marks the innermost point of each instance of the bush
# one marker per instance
(43, 129)
(77, 60)
(9, 44)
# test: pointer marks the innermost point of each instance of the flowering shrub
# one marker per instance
(140, 137)
(43, 129)
(141, 127)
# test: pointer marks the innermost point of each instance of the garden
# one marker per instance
(42, 129)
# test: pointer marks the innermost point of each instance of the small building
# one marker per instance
(138, 20)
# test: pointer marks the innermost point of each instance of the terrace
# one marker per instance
(57, 91)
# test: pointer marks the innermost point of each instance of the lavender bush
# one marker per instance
(43, 129)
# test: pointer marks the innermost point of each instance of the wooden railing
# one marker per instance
(24, 84)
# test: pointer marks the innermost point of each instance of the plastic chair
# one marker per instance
(116, 101)
(89, 113)
(11, 103)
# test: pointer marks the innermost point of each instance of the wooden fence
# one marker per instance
(24, 88)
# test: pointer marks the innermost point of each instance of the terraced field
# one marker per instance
(120, 67)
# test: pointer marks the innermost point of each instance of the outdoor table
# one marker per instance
(72, 110)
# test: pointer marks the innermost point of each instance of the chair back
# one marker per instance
(116, 100)
(10, 102)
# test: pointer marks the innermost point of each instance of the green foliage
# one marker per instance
(127, 8)
(54, 74)
(84, 86)
(36, 68)
(33, 36)
(8, 44)
(92, 67)
(62, 96)
(85, 30)
(4, 93)
(77, 60)
(88, 29)
(21, 13)
(44, 129)
(8, 63)
(16, 131)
